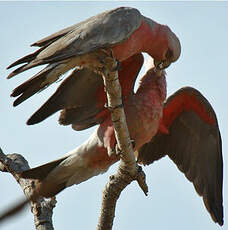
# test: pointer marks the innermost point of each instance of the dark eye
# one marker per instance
(169, 54)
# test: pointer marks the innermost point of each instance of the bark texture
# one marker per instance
(128, 169)
(42, 209)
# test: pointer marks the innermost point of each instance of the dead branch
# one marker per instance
(42, 209)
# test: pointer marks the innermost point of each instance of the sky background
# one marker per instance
(172, 202)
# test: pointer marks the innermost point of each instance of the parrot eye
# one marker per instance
(169, 54)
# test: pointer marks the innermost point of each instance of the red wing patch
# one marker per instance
(183, 102)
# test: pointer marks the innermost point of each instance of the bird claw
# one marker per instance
(106, 59)
(112, 108)
(111, 152)
(117, 67)
(117, 151)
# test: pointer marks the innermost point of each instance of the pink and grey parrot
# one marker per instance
(184, 126)
(124, 30)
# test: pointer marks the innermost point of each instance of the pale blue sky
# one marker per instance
(172, 202)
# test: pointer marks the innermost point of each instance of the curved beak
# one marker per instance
(161, 65)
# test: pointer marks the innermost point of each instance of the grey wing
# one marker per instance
(77, 92)
(194, 144)
(81, 96)
(104, 30)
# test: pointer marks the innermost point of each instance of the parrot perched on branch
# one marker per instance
(184, 126)
(124, 30)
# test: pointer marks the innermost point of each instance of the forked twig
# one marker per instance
(42, 209)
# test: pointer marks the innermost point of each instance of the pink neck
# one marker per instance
(152, 88)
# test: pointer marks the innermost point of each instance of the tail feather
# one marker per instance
(80, 116)
(39, 174)
(31, 86)
(17, 71)
(42, 171)
(13, 210)
(28, 58)
(72, 96)
(40, 81)
(25, 67)
(86, 161)
(46, 110)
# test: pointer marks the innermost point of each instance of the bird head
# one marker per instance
(149, 66)
(172, 51)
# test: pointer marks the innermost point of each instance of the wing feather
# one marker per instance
(194, 144)
(77, 91)
(104, 30)
(81, 96)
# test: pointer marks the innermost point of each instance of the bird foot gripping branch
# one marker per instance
(128, 169)
(109, 72)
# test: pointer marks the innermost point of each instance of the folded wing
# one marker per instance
(103, 30)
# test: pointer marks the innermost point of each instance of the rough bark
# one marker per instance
(128, 170)
(42, 209)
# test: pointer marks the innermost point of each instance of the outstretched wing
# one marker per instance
(103, 30)
(194, 144)
(81, 96)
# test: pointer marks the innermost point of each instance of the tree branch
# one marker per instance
(42, 209)
(128, 169)
(127, 172)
